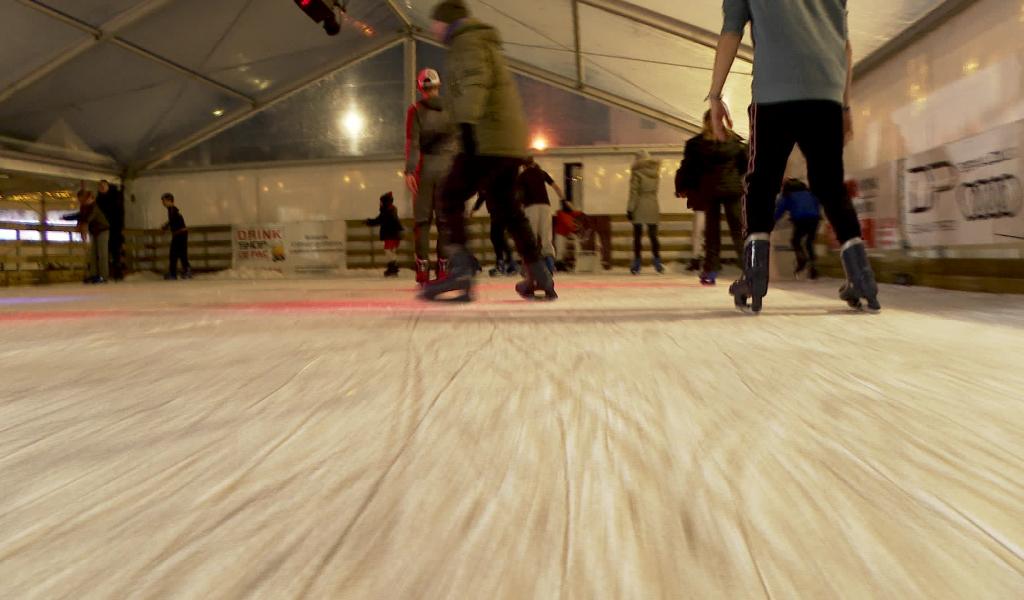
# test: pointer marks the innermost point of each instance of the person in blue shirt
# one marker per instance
(805, 213)
(801, 94)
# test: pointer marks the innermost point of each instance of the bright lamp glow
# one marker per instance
(539, 142)
(354, 123)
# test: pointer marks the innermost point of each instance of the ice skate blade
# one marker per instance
(440, 291)
(531, 295)
(534, 298)
(860, 306)
(444, 297)
(747, 310)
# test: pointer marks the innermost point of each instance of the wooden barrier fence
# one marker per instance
(365, 251)
(209, 249)
(33, 254)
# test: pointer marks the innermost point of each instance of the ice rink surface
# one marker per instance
(637, 439)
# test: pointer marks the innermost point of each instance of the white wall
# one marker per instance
(963, 78)
(334, 192)
(606, 181)
(275, 195)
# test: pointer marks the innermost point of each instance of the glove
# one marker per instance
(369, 223)
(468, 139)
(629, 215)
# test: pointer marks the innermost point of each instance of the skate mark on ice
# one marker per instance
(935, 505)
(379, 483)
(287, 382)
(567, 531)
(178, 545)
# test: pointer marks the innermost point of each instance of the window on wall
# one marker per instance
(18, 214)
(356, 112)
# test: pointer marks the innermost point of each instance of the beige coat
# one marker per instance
(643, 191)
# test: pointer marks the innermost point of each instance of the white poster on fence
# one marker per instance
(968, 192)
(313, 248)
(876, 198)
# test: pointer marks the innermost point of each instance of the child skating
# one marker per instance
(179, 240)
(390, 232)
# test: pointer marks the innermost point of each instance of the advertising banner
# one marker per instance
(876, 196)
(968, 192)
(298, 249)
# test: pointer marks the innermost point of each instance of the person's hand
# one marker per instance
(412, 183)
(629, 215)
(847, 125)
(721, 120)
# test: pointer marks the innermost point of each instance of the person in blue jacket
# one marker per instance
(805, 213)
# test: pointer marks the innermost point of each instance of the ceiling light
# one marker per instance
(219, 112)
(354, 123)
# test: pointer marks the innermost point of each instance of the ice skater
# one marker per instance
(801, 97)
(533, 185)
(567, 227)
(712, 177)
(805, 213)
(489, 113)
(111, 201)
(390, 232)
(504, 262)
(179, 240)
(644, 209)
(696, 204)
(430, 147)
(93, 226)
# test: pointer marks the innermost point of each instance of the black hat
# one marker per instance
(387, 198)
(450, 11)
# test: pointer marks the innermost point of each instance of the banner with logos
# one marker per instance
(297, 249)
(968, 192)
(876, 196)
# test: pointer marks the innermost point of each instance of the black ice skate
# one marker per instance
(457, 285)
(392, 270)
(860, 283)
(499, 269)
(752, 287)
(537, 279)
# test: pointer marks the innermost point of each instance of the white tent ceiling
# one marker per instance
(135, 81)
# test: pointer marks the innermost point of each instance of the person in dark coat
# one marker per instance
(92, 224)
(712, 177)
(697, 205)
(390, 231)
(179, 239)
(110, 201)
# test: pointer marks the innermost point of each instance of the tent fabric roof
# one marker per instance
(138, 81)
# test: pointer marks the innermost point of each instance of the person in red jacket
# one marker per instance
(430, 146)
